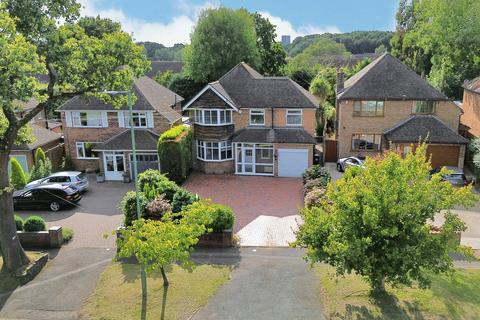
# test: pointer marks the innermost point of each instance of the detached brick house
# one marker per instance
(97, 136)
(387, 106)
(249, 124)
(470, 119)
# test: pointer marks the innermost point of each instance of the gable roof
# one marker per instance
(473, 85)
(145, 140)
(150, 96)
(246, 88)
(42, 136)
(387, 78)
(162, 66)
(424, 127)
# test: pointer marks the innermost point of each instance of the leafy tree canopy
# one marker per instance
(209, 57)
(157, 51)
(376, 221)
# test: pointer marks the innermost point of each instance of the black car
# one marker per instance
(52, 196)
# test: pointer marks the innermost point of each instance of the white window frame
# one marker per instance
(240, 147)
(77, 119)
(222, 146)
(293, 110)
(200, 116)
(257, 112)
(140, 114)
(82, 144)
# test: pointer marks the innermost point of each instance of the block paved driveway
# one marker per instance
(266, 208)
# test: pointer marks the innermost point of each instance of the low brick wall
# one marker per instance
(53, 238)
(217, 239)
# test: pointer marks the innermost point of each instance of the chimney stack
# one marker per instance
(340, 80)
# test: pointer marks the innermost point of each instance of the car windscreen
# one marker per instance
(81, 176)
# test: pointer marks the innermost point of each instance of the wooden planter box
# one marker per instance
(53, 238)
(217, 239)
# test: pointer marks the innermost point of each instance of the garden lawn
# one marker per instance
(450, 297)
(118, 293)
(9, 283)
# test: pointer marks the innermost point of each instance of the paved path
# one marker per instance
(268, 283)
(60, 289)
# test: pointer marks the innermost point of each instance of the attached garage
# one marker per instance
(292, 162)
(144, 162)
(443, 155)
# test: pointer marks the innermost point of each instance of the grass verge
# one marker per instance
(7, 282)
(118, 293)
(455, 296)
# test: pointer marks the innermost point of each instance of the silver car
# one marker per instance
(344, 163)
(75, 179)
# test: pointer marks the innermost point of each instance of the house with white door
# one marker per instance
(97, 135)
(249, 124)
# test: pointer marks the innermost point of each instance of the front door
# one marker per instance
(114, 164)
(248, 160)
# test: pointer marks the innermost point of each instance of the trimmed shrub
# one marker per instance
(150, 177)
(316, 172)
(42, 167)
(314, 197)
(157, 208)
(215, 217)
(18, 177)
(128, 206)
(34, 224)
(67, 234)
(175, 153)
(314, 184)
(40, 156)
(181, 199)
(167, 188)
(19, 223)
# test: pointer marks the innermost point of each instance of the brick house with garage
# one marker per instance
(249, 124)
(387, 106)
(97, 136)
(470, 119)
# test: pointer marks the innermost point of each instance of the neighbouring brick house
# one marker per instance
(387, 106)
(97, 136)
(470, 119)
(249, 124)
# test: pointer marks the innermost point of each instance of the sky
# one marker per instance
(171, 21)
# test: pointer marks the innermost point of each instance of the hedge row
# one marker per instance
(175, 153)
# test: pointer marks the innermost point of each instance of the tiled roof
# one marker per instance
(150, 96)
(275, 135)
(473, 85)
(145, 140)
(42, 136)
(424, 127)
(386, 78)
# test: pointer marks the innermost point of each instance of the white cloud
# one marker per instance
(177, 30)
(285, 27)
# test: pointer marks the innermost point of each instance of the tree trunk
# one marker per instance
(379, 286)
(12, 252)
(164, 276)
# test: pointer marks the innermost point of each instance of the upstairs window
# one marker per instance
(87, 119)
(368, 108)
(257, 117)
(213, 117)
(294, 117)
(424, 107)
(139, 119)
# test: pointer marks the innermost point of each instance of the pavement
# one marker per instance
(266, 208)
(267, 283)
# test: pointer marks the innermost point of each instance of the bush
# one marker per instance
(150, 177)
(181, 199)
(18, 177)
(40, 156)
(19, 223)
(128, 206)
(157, 208)
(167, 188)
(215, 217)
(316, 172)
(67, 234)
(67, 164)
(314, 197)
(175, 153)
(34, 223)
(314, 184)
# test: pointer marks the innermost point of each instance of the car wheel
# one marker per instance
(339, 167)
(55, 206)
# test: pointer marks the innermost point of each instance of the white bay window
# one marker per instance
(214, 151)
(213, 117)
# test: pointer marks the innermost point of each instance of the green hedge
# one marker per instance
(18, 178)
(34, 223)
(175, 153)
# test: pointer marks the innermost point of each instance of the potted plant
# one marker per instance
(100, 176)
(126, 177)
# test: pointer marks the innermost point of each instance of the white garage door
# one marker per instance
(292, 162)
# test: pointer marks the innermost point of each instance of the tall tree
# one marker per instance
(31, 43)
(376, 221)
(221, 39)
(272, 54)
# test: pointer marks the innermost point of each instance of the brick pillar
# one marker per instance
(56, 237)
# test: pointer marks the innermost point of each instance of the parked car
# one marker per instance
(457, 178)
(75, 179)
(51, 196)
(343, 163)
